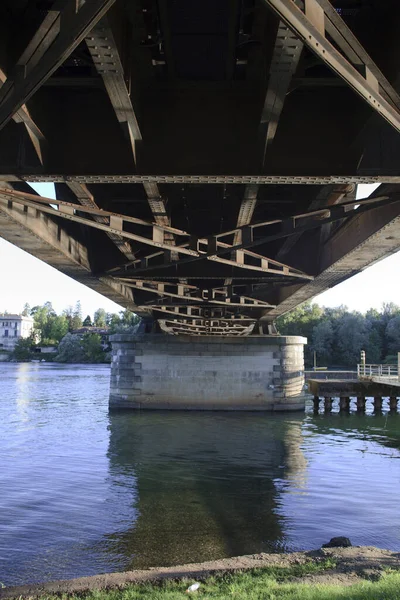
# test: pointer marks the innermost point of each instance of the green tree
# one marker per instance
(393, 335)
(87, 322)
(68, 314)
(70, 350)
(26, 311)
(92, 348)
(113, 321)
(100, 318)
(128, 318)
(76, 321)
(42, 316)
(57, 329)
(23, 349)
(352, 336)
(322, 342)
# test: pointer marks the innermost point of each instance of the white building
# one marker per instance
(12, 329)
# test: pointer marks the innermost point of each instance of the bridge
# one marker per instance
(205, 154)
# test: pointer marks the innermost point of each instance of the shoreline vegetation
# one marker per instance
(67, 338)
(353, 573)
(337, 335)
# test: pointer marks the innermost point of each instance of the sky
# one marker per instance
(27, 279)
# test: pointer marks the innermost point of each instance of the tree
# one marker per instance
(352, 337)
(26, 311)
(92, 348)
(42, 316)
(70, 350)
(393, 335)
(128, 318)
(322, 342)
(87, 322)
(58, 328)
(76, 321)
(100, 318)
(68, 314)
(23, 349)
(113, 321)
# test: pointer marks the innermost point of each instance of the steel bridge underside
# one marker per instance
(205, 154)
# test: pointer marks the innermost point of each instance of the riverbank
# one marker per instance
(362, 572)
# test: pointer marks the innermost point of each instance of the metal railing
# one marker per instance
(388, 371)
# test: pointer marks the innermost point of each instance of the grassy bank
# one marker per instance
(273, 583)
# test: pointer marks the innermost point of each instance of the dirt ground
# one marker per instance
(352, 565)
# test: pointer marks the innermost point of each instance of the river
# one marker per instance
(84, 491)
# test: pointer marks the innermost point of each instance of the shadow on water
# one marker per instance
(203, 484)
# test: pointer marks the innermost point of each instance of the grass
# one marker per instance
(271, 583)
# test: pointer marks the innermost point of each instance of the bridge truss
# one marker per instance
(205, 154)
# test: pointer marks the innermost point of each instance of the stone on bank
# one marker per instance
(158, 371)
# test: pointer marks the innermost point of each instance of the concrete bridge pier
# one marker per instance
(158, 371)
(378, 404)
(393, 403)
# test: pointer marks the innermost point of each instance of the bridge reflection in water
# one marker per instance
(204, 487)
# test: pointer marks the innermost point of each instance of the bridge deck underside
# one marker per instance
(191, 123)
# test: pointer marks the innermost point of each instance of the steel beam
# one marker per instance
(30, 230)
(207, 179)
(106, 59)
(220, 328)
(285, 60)
(310, 27)
(355, 52)
(105, 54)
(60, 34)
(22, 116)
(190, 293)
(85, 198)
(114, 223)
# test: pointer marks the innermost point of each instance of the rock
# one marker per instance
(338, 542)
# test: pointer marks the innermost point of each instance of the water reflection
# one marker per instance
(203, 484)
(84, 491)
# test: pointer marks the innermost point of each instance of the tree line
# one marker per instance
(52, 329)
(338, 335)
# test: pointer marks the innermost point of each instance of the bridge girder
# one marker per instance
(203, 131)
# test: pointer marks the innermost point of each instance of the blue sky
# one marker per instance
(26, 279)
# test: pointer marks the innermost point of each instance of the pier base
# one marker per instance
(344, 404)
(158, 371)
(360, 404)
(393, 403)
(378, 404)
(328, 404)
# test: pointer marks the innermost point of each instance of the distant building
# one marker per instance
(13, 328)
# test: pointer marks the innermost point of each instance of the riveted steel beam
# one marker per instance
(104, 51)
(310, 27)
(60, 33)
(191, 293)
(208, 179)
(85, 198)
(220, 328)
(23, 116)
(114, 224)
(199, 312)
(283, 228)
